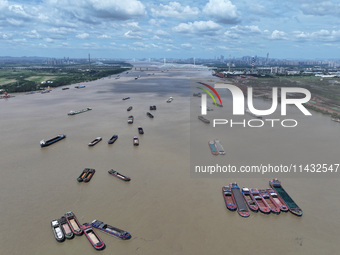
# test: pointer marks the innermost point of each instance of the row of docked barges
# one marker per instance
(68, 226)
(271, 200)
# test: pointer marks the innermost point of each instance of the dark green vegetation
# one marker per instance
(30, 78)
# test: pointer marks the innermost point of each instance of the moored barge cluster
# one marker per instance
(270, 200)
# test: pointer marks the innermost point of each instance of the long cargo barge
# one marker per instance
(292, 206)
(242, 208)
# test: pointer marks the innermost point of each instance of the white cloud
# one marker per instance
(278, 35)
(175, 10)
(133, 35)
(322, 35)
(104, 37)
(83, 36)
(198, 27)
(222, 11)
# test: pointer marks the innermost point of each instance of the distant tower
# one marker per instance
(267, 58)
(252, 64)
(229, 63)
(164, 61)
(89, 62)
(194, 61)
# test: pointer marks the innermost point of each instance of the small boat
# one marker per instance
(242, 208)
(140, 130)
(292, 206)
(228, 198)
(89, 175)
(219, 147)
(80, 86)
(249, 200)
(130, 119)
(44, 143)
(170, 100)
(92, 236)
(65, 88)
(270, 201)
(83, 175)
(112, 139)
(278, 200)
(336, 119)
(213, 148)
(261, 203)
(57, 231)
(252, 114)
(66, 228)
(135, 141)
(153, 107)
(95, 141)
(80, 111)
(149, 114)
(111, 230)
(73, 223)
(118, 175)
(204, 119)
(129, 109)
(126, 98)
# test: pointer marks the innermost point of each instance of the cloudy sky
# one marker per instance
(294, 29)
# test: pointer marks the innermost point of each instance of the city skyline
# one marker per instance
(141, 29)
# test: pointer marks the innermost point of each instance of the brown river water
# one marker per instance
(166, 208)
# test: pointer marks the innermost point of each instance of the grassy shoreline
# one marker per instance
(27, 79)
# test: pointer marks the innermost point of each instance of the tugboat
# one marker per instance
(292, 206)
(116, 232)
(58, 233)
(44, 143)
(92, 236)
(140, 130)
(228, 198)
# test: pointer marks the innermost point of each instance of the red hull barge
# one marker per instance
(278, 200)
(270, 201)
(261, 203)
(73, 223)
(228, 198)
(92, 236)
